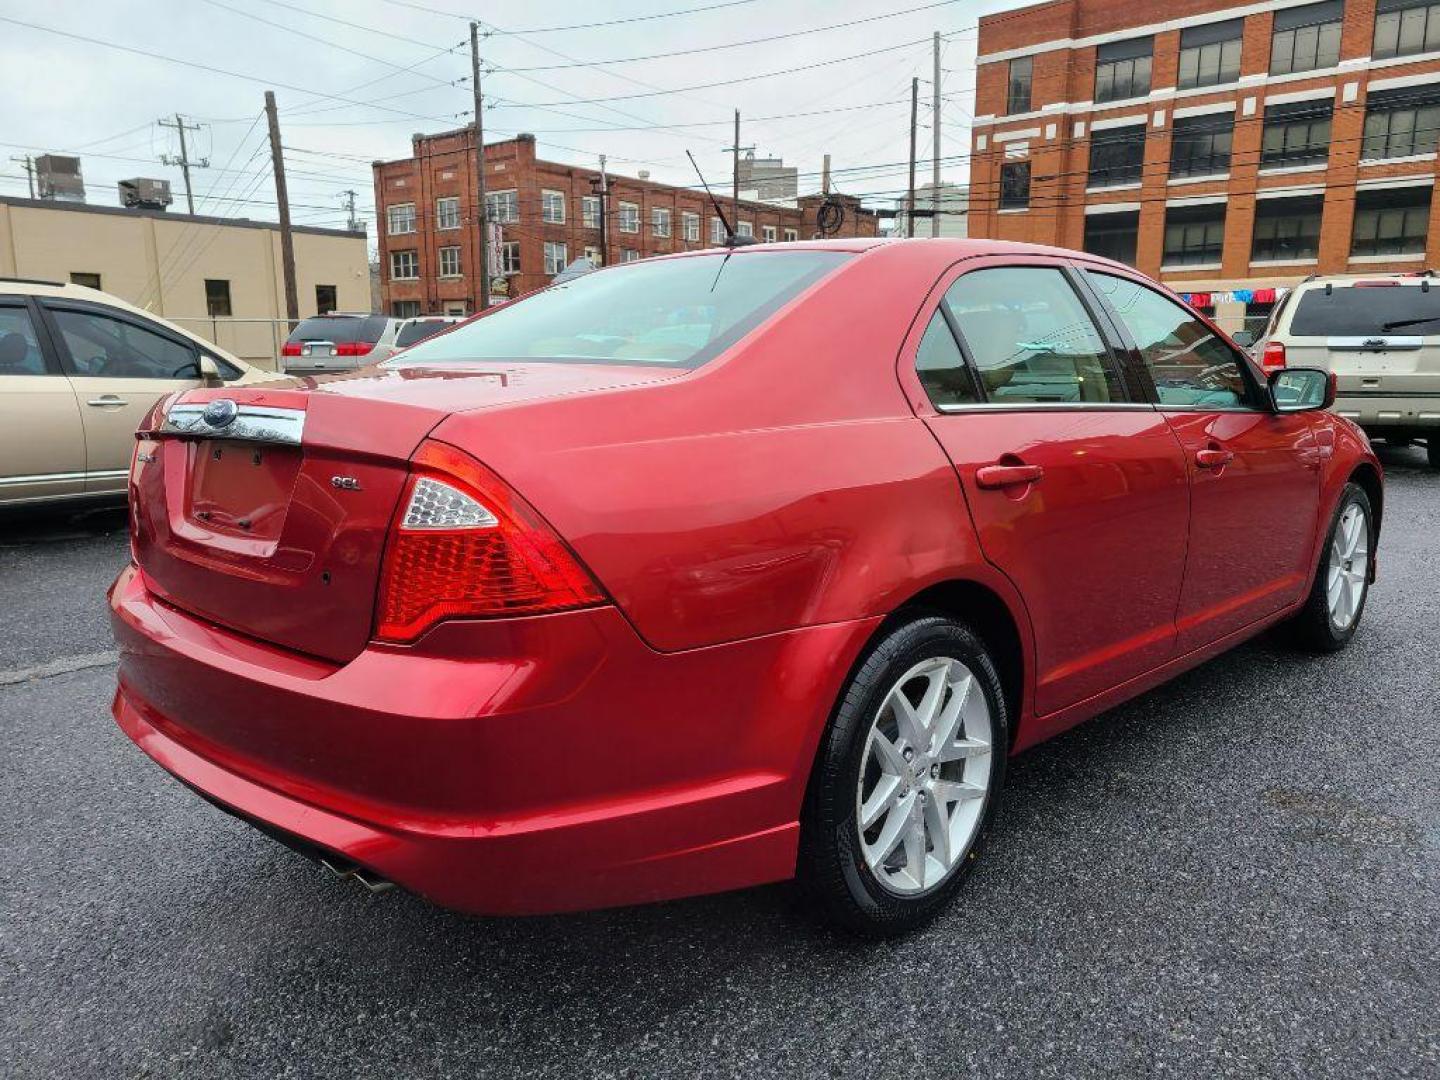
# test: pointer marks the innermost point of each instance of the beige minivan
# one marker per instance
(78, 371)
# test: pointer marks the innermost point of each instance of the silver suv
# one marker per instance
(339, 341)
(1380, 335)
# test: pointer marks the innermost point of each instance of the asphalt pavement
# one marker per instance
(1235, 875)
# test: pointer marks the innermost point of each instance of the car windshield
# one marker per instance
(675, 312)
(340, 329)
(1352, 311)
(419, 330)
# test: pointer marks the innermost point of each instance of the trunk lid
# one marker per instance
(266, 509)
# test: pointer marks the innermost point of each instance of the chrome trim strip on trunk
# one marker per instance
(252, 423)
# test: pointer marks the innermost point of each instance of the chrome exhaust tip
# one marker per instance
(348, 871)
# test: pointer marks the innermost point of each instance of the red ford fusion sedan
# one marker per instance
(720, 569)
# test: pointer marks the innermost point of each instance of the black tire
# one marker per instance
(1432, 450)
(1314, 627)
(832, 871)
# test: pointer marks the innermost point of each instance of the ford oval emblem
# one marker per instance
(220, 413)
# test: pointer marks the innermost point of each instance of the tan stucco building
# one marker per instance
(218, 277)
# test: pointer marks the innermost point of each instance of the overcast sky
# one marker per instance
(355, 78)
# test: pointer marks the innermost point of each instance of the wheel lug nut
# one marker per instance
(909, 754)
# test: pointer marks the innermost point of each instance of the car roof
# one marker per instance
(1399, 277)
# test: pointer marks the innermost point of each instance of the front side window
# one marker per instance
(660, 221)
(590, 211)
(941, 367)
(115, 349)
(628, 218)
(1113, 236)
(19, 346)
(1117, 156)
(1189, 364)
(1287, 229)
(1404, 27)
(447, 213)
(669, 312)
(552, 207)
(400, 219)
(404, 266)
(1296, 133)
(556, 257)
(1391, 221)
(1306, 38)
(1210, 54)
(1017, 90)
(1401, 123)
(1194, 235)
(1200, 145)
(1122, 69)
(450, 261)
(502, 207)
(1014, 185)
(1030, 338)
(691, 222)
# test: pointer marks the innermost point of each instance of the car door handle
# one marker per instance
(1003, 476)
(1212, 457)
(106, 399)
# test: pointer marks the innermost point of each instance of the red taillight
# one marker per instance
(464, 545)
(354, 348)
(1274, 356)
(291, 348)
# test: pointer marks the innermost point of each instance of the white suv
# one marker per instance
(1380, 334)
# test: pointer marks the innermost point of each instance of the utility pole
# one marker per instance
(825, 176)
(935, 146)
(480, 215)
(604, 214)
(29, 165)
(183, 160)
(910, 197)
(282, 200)
(736, 149)
(353, 222)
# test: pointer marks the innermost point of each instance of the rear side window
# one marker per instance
(942, 368)
(1030, 338)
(342, 330)
(674, 312)
(19, 347)
(116, 349)
(1348, 311)
(412, 332)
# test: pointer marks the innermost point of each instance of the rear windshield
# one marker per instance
(340, 329)
(410, 333)
(1364, 312)
(674, 312)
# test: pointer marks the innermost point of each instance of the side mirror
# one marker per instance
(210, 371)
(1302, 390)
(1244, 338)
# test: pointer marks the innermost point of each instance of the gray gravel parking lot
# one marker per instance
(1237, 874)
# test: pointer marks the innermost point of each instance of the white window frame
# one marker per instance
(509, 265)
(452, 250)
(690, 226)
(414, 260)
(507, 201)
(628, 255)
(791, 235)
(717, 231)
(553, 265)
(767, 233)
(745, 228)
(550, 199)
(627, 217)
(590, 211)
(393, 219)
(447, 213)
(659, 221)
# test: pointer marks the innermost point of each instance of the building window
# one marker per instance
(629, 218)
(1117, 156)
(767, 233)
(1287, 229)
(717, 231)
(1400, 123)
(1017, 89)
(1200, 145)
(1113, 236)
(1122, 69)
(629, 255)
(1391, 221)
(791, 235)
(1306, 37)
(1297, 133)
(1403, 27)
(556, 258)
(400, 219)
(1194, 234)
(510, 257)
(744, 228)
(405, 309)
(502, 207)
(449, 262)
(1210, 54)
(593, 254)
(660, 221)
(691, 224)
(217, 298)
(404, 266)
(324, 299)
(447, 213)
(1014, 185)
(552, 207)
(590, 211)
(80, 277)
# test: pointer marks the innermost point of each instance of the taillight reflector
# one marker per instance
(354, 348)
(465, 545)
(1274, 355)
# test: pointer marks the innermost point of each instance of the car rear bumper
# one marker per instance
(1375, 410)
(511, 767)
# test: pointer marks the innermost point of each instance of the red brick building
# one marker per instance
(547, 215)
(1217, 144)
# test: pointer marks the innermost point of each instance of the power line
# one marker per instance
(584, 26)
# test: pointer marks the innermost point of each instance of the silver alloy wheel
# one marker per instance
(924, 776)
(1349, 567)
